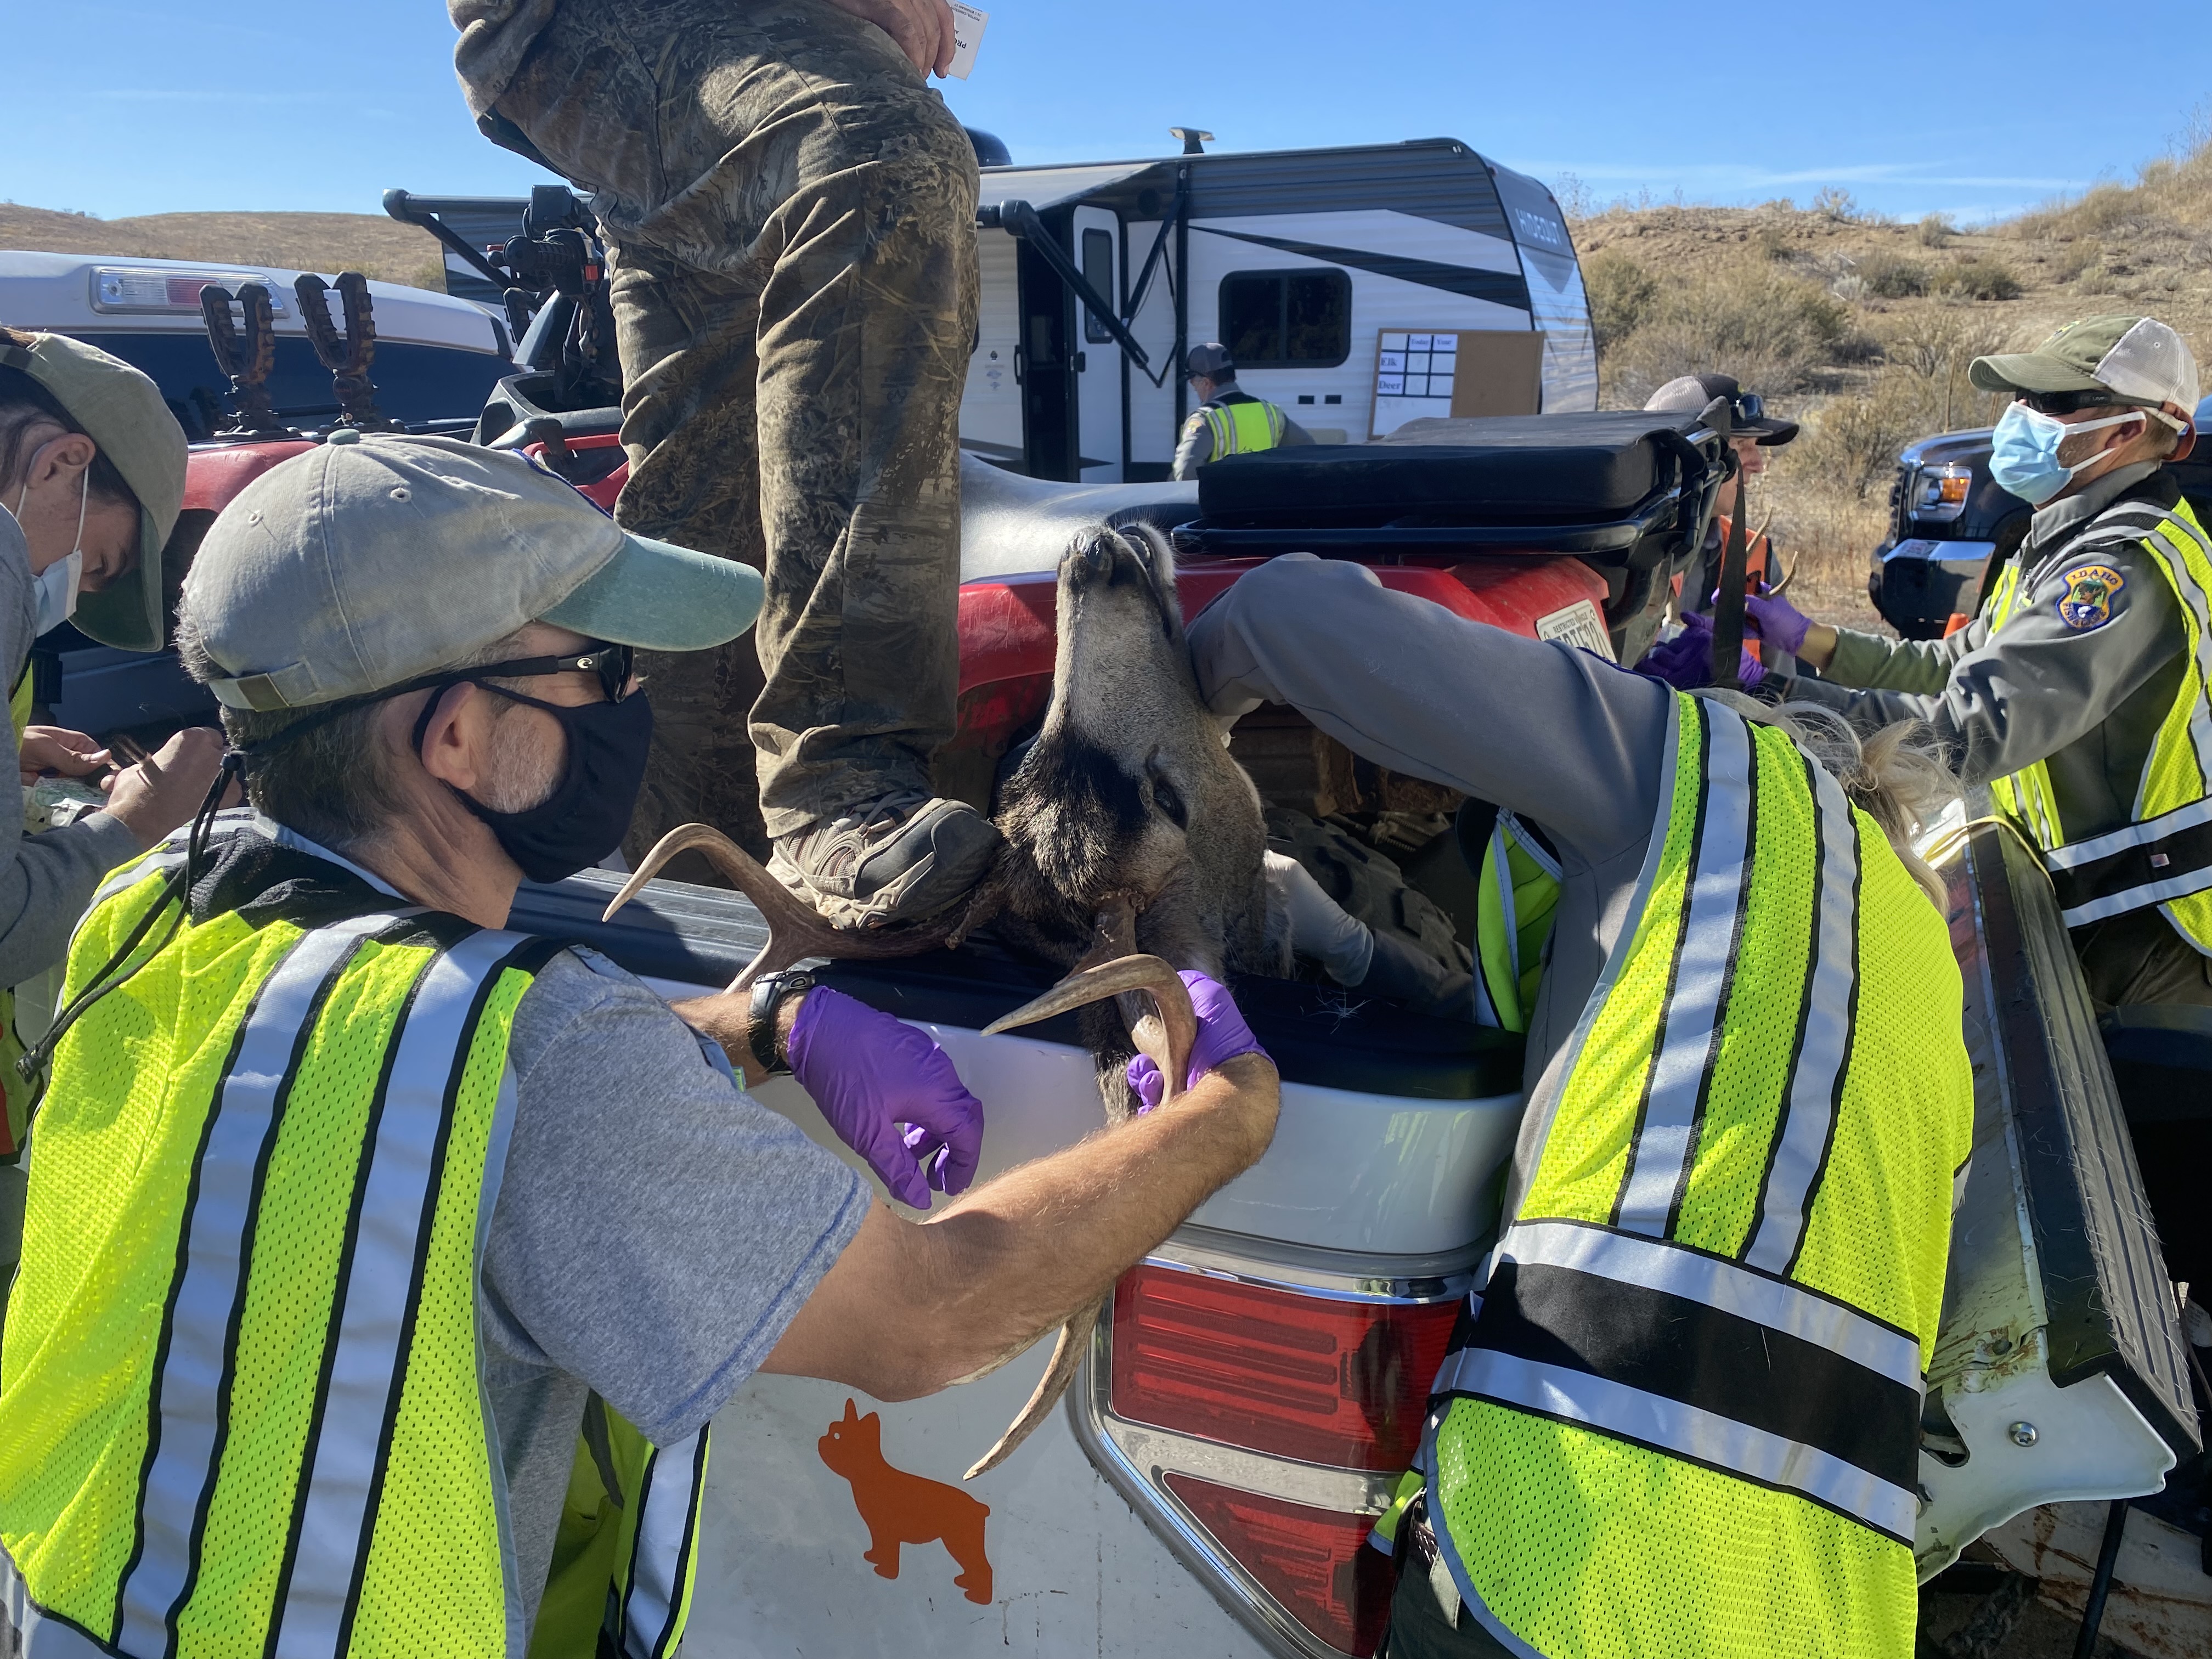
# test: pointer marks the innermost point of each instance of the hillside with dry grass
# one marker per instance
(1862, 327)
(378, 248)
(1859, 325)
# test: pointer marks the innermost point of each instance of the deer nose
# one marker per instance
(1094, 561)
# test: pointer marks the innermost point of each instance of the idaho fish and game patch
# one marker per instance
(2090, 589)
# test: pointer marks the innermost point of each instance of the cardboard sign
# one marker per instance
(1454, 372)
(967, 35)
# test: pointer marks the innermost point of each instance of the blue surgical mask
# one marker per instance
(2024, 453)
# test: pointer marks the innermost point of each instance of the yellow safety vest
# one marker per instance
(1243, 429)
(2163, 854)
(242, 1411)
(1518, 901)
(15, 1092)
(1682, 1413)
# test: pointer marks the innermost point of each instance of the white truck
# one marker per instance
(1209, 1487)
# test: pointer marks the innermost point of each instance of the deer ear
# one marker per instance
(852, 1412)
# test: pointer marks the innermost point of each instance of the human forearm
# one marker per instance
(910, 1308)
(1819, 649)
(1880, 664)
(46, 881)
(725, 1019)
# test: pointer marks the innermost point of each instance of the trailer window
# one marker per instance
(1098, 271)
(1273, 318)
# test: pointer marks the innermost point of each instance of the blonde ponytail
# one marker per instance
(1899, 776)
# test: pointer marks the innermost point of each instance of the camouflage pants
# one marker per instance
(790, 217)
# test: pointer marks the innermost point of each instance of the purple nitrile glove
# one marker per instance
(1222, 1035)
(890, 1093)
(1779, 623)
(1685, 662)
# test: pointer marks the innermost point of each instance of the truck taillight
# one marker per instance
(1316, 1562)
(155, 288)
(1341, 1383)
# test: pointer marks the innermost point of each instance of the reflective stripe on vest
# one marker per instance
(242, 1408)
(654, 1591)
(15, 1093)
(2163, 856)
(1720, 1281)
(1243, 429)
(1516, 904)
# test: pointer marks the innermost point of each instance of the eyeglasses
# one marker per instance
(611, 663)
(1747, 406)
(2072, 403)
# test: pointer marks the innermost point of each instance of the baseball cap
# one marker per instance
(2137, 359)
(122, 410)
(357, 567)
(1688, 394)
(1211, 360)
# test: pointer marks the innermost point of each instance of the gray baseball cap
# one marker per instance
(1211, 360)
(1689, 393)
(361, 566)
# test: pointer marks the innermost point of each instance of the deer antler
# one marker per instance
(795, 929)
(1165, 1036)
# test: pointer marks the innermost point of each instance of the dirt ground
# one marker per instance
(2043, 1633)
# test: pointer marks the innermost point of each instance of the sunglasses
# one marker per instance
(2072, 403)
(611, 663)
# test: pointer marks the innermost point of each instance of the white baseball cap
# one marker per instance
(358, 567)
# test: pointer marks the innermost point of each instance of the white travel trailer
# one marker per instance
(1359, 287)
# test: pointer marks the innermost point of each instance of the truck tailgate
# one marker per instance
(1334, 1267)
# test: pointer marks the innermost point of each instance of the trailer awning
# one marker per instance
(1050, 187)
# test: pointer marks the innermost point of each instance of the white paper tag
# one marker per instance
(967, 35)
(1579, 624)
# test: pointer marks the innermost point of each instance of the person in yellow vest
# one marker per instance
(2082, 693)
(384, 1267)
(92, 475)
(1228, 420)
(1680, 1413)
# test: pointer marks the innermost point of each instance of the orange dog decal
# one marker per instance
(899, 1508)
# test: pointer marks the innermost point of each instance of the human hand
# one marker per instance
(55, 750)
(922, 28)
(166, 789)
(1780, 624)
(1222, 1035)
(1319, 928)
(891, 1094)
(1685, 662)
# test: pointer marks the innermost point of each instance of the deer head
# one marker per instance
(1133, 841)
(1127, 794)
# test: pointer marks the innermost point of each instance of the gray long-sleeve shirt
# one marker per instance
(45, 879)
(1559, 736)
(2080, 680)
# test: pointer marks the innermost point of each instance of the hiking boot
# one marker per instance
(902, 859)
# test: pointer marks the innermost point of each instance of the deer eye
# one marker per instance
(1169, 804)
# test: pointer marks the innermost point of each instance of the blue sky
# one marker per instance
(129, 108)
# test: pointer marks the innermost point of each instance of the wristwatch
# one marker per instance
(768, 993)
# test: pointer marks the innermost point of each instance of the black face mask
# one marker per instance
(584, 818)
